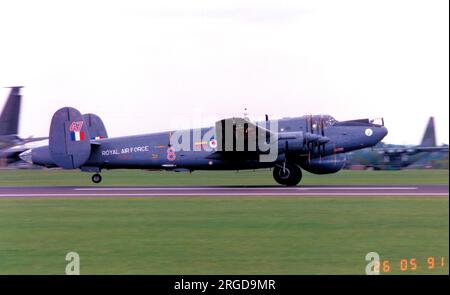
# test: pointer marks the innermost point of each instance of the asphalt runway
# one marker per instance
(224, 191)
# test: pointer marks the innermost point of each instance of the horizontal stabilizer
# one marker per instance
(69, 143)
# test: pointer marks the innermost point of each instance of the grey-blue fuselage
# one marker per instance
(150, 151)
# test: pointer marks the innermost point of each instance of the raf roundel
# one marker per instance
(369, 132)
(213, 143)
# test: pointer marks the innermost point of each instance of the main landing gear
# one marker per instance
(96, 178)
(288, 174)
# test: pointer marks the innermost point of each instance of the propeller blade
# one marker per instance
(322, 127)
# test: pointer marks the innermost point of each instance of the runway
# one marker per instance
(225, 191)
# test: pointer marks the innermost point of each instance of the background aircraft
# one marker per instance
(395, 157)
(314, 143)
(9, 126)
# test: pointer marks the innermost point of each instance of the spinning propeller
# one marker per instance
(315, 138)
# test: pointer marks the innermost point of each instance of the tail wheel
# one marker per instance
(287, 174)
(96, 178)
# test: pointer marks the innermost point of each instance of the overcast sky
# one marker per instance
(143, 65)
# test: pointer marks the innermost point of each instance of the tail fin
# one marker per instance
(95, 126)
(69, 143)
(429, 137)
(9, 118)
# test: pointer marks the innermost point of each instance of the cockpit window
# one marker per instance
(328, 121)
(314, 123)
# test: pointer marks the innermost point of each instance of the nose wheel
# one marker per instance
(96, 178)
(287, 174)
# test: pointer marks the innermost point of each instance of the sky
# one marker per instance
(147, 66)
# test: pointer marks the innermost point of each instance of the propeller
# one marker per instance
(315, 138)
(307, 136)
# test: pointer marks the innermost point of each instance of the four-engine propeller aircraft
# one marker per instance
(315, 143)
(396, 157)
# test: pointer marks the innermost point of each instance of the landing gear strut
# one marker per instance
(287, 174)
(96, 178)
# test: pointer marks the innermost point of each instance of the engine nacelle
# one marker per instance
(326, 165)
(293, 141)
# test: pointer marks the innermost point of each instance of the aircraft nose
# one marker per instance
(374, 134)
(26, 156)
(383, 132)
(379, 133)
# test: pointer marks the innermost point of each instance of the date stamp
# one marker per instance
(376, 265)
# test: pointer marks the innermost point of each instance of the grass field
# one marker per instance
(258, 177)
(240, 235)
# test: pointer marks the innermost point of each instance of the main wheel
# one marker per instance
(96, 178)
(287, 174)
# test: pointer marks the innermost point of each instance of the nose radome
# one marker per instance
(383, 132)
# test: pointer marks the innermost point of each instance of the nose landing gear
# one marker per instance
(96, 178)
(288, 174)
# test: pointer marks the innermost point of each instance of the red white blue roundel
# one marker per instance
(213, 143)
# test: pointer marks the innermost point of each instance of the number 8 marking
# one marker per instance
(171, 154)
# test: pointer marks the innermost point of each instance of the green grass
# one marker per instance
(259, 177)
(221, 235)
(239, 235)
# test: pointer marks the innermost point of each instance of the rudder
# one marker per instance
(69, 139)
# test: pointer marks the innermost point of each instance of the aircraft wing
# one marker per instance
(239, 134)
(239, 139)
(432, 149)
(411, 150)
(32, 139)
